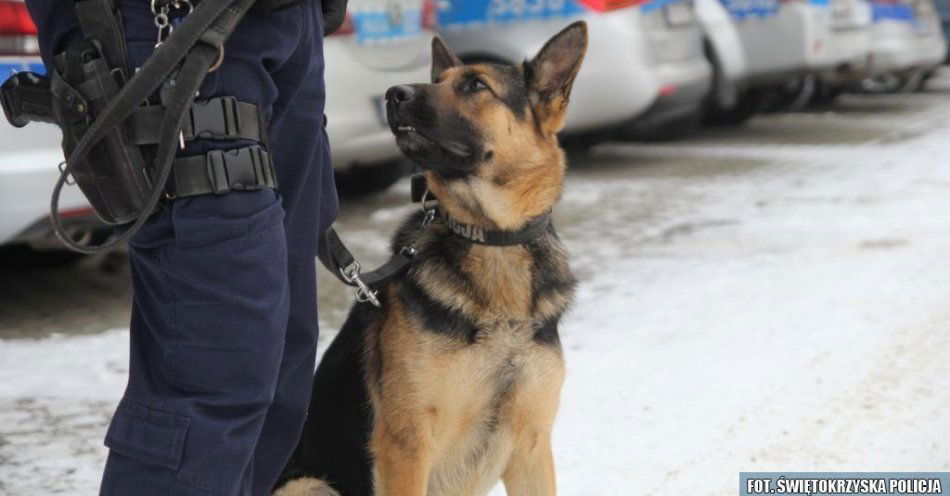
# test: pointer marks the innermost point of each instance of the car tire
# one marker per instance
(793, 96)
(825, 95)
(911, 82)
(749, 103)
(360, 180)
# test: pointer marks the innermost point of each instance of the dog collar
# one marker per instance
(336, 257)
(533, 230)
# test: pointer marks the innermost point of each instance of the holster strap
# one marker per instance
(223, 118)
(220, 172)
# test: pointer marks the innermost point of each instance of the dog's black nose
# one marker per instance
(400, 94)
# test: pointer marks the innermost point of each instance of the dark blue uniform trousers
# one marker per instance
(224, 318)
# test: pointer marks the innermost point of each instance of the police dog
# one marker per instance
(454, 382)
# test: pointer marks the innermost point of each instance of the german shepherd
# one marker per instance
(454, 382)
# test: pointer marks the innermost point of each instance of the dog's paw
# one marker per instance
(306, 486)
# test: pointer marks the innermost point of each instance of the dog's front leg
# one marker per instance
(402, 460)
(530, 470)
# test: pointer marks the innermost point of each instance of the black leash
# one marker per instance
(199, 40)
(337, 258)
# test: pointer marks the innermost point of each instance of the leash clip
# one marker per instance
(351, 274)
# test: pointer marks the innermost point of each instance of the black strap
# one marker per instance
(259, 5)
(532, 230)
(337, 258)
(223, 118)
(100, 20)
(220, 172)
(201, 36)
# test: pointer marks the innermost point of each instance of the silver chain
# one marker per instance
(162, 17)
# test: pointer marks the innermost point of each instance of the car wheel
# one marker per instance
(792, 96)
(911, 82)
(749, 103)
(361, 180)
(825, 94)
(882, 83)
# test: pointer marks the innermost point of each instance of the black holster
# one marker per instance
(119, 146)
(114, 175)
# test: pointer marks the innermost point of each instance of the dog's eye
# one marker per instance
(476, 85)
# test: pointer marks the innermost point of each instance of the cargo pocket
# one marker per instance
(147, 435)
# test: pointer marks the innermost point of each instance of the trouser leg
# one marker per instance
(287, 412)
(170, 424)
(298, 139)
(210, 311)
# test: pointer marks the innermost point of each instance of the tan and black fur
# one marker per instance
(454, 382)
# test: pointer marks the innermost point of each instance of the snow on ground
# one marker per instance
(771, 298)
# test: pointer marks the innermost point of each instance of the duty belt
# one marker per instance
(223, 118)
(220, 172)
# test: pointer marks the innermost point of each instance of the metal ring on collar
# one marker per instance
(422, 202)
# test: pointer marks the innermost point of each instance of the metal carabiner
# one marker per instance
(162, 22)
(351, 274)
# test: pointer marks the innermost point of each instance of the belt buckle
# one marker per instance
(215, 118)
(218, 172)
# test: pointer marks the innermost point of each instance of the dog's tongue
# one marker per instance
(457, 148)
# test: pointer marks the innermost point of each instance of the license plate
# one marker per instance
(458, 14)
(389, 23)
(679, 13)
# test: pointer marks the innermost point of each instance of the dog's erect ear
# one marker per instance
(442, 58)
(551, 74)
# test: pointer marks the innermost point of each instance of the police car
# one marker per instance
(28, 156)
(644, 62)
(930, 40)
(784, 41)
(907, 43)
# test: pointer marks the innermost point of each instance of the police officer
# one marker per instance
(224, 318)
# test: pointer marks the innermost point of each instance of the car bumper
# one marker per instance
(674, 103)
(851, 51)
(893, 47)
(851, 46)
(932, 50)
(26, 181)
(616, 83)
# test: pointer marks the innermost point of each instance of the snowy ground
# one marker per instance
(769, 298)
